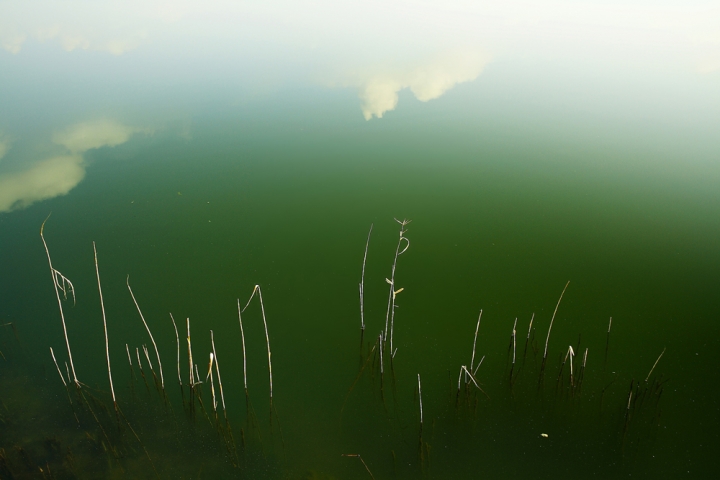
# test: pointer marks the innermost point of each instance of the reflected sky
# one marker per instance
(78, 75)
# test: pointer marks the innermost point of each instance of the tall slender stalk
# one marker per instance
(607, 344)
(390, 315)
(420, 397)
(363, 462)
(65, 284)
(655, 364)
(362, 282)
(177, 340)
(553, 319)
(478, 366)
(58, 368)
(267, 337)
(474, 380)
(217, 370)
(514, 334)
(212, 382)
(242, 337)
(191, 378)
(157, 353)
(530, 327)
(107, 345)
(477, 327)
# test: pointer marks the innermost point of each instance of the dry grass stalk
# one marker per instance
(267, 337)
(212, 381)
(420, 397)
(127, 349)
(191, 378)
(61, 283)
(217, 370)
(147, 356)
(107, 345)
(477, 328)
(142, 373)
(655, 364)
(553, 319)
(477, 367)
(242, 337)
(514, 334)
(363, 462)
(390, 315)
(157, 353)
(58, 368)
(362, 283)
(177, 340)
(474, 380)
(572, 354)
(530, 327)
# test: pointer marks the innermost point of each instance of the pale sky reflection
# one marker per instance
(58, 174)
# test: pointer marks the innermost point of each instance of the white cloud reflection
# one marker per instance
(427, 81)
(57, 175)
(276, 42)
(86, 136)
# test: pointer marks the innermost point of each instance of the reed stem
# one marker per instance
(530, 327)
(58, 368)
(267, 337)
(212, 382)
(242, 337)
(477, 328)
(655, 364)
(420, 397)
(363, 462)
(191, 377)
(514, 334)
(217, 370)
(390, 315)
(362, 282)
(478, 365)
(157, 353)
(107, 345)
(55, 274)
(553, 319)
(177, 340)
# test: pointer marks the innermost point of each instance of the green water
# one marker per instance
(201, 174)
(197, 223)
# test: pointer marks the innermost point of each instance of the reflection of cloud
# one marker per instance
(114, 27)
(85, 136)
(47, 179)
(59, 174)
(12, 42)
(379, 92)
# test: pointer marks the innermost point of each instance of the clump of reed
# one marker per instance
(637, 394)
(60, 284)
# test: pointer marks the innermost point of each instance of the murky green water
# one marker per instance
(199, 180)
